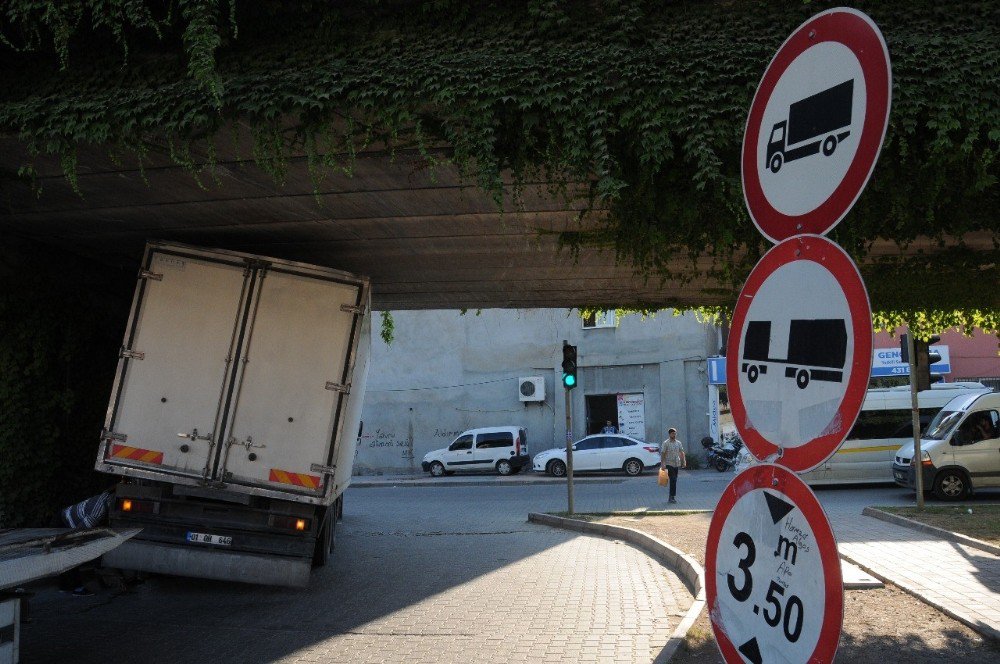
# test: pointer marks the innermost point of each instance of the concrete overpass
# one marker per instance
(427, 238)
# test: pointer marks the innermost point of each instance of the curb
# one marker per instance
(688, 569)
(876, 513)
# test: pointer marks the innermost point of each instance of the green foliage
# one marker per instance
(643, 103)
(56, 363)
(388, 332)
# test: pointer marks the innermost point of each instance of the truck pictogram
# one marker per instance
(817, 350)
(812, 123)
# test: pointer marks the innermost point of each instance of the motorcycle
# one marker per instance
(723, 456)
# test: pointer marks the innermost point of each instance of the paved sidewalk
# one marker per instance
(961, 581)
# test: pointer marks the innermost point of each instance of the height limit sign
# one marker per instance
(772, 572)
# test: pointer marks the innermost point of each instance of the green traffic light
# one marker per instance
(569, 380)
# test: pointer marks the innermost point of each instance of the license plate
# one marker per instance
(204, 538)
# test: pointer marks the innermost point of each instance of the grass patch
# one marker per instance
(979, 521)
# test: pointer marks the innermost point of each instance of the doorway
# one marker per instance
(600, 409)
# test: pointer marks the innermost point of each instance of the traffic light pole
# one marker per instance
(569, 448)
(918, 462)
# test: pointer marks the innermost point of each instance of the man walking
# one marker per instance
(672, 458)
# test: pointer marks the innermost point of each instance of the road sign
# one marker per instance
(716, 370)
(800, 352)
(816, 125)
(887, 362)
(772, 573)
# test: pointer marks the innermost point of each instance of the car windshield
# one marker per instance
(942, 424)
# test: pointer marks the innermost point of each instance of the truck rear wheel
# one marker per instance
(752, 373)
(802, 379)
(829, 145)
(776, 161)
(325, 540)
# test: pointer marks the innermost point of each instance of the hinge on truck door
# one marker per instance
(107, 434)
(357, 310)
(154, 276)
(320, 468)
(131, 354)
(338, 387)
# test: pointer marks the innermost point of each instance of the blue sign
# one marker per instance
(716, 370)
(887, 362)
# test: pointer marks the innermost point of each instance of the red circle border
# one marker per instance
(835, 260)
(858, 32)
(771, 476)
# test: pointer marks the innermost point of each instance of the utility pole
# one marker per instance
(917, 461)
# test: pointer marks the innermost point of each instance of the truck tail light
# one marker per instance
(295, 523)
(136, 506)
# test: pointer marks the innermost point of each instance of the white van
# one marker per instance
(884, 424)
(960, 450)
(503, 449)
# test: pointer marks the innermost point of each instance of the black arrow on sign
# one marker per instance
(751, 651)
(778, 507)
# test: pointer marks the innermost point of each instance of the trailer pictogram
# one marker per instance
(816, 350)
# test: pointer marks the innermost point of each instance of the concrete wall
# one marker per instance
(446, 372)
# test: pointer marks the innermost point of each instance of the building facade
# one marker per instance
(446, 372)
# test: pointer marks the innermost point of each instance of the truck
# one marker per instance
(812, 121)
(235, 414)
(817, 350)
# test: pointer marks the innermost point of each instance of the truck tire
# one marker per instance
(752, 373)
(829, 145)
(776, 161)
(802, 379)
(340, 507)
(325, 539)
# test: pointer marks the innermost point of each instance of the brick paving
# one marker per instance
(961, 581)
(419, 575)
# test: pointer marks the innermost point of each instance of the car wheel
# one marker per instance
(951, 485)
(557, 468)
(437, 469)
(633, 467)
(504, 467)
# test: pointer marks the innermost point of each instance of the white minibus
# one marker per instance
(884, 425)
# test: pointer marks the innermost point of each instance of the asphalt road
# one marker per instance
(447, 572)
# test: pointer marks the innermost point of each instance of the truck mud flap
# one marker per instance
(210, 564)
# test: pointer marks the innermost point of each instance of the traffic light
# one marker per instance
(569, 366)
(924, 358)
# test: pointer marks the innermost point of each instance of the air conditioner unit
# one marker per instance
(531, 388)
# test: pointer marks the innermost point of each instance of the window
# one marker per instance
(978, 427)
(497, 439)
(604, 318)
(461, 443)
(612, 442)
(897, 423)
(589, 444)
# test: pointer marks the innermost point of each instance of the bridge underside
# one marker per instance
(427, 238)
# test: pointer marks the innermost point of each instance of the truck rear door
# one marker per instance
(290, 396)
(173, 367)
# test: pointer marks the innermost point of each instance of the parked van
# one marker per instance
(503, 449)
(884, 424)
(960, 450)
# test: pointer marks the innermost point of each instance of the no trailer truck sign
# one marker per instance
(772, 574)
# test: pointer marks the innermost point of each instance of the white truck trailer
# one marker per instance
(235, 414)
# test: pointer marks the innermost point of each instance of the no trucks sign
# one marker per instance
(816, 125)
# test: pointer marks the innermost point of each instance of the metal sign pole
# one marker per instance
(918, 462)
(569, 450)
